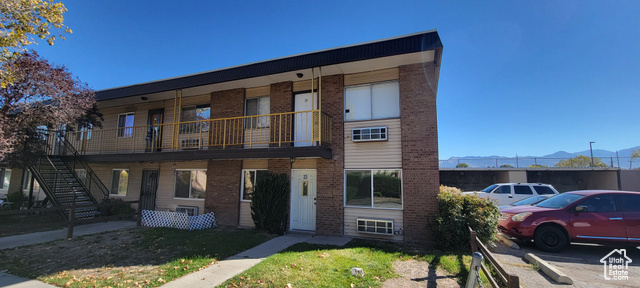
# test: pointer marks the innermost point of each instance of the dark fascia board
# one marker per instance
(213, 154)
(418, 42)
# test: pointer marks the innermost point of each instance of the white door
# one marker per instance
(303, 199)
(304, 121)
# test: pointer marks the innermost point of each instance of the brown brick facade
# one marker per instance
(281, 101)
(419, 150)
(223, 190)
(224, 104)
(330, 208)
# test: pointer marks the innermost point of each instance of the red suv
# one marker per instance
(580, 216)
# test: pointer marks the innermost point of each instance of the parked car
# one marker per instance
(527, 201)
(507, 193)
(595, 216)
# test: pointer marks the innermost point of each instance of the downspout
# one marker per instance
(319, 106)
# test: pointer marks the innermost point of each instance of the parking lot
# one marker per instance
(581, 262)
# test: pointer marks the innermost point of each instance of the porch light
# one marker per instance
(293, 160)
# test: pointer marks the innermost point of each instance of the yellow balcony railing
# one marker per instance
(305, 128)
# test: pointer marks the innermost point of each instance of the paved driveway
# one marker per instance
(581, 262)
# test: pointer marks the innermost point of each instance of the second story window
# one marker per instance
(125, 125)
(257, 106)
(372, 101)
(194, 113)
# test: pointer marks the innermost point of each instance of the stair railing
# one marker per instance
(93, 185)
(58, 180)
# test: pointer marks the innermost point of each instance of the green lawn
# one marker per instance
(308, 265)
(147, 257)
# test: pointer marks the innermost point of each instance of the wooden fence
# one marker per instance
(504, 279)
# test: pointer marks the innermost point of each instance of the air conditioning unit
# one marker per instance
(189, 143)
(369, 134)
(189, 210)
(374, 226)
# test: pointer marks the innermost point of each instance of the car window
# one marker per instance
(543, 190)
(629, 202)
(521, 189)
(488, 189)
(560, 201)
(503, 190)
(529, 200)
(600, 203)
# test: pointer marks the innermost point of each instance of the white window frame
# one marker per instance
(125, 131)
(260, 123)
(4, 171)
(371, 102)
(242, 182)
(126, 188)
(344, 192)
(175, 184)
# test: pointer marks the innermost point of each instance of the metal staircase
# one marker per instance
(66, 178)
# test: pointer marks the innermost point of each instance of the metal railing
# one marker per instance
(310, 127)
(501, 278)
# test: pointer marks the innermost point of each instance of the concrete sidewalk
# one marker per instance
(216, 274)
(46, 236)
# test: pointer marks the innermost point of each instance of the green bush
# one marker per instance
(17, 199)
(456, 212)
(269, 203)
(115, 206)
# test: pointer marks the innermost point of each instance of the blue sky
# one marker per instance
(526, 78)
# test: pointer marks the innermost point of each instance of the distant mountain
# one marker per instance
(495, 161)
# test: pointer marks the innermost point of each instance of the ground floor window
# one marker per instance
(249, 178)
(190, 184)
(5, 178)
(373, 188)
(26, 182)
(119, 182)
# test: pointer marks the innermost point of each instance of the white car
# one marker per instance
(507, 193)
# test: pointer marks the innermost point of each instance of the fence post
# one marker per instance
(514, 281)
(72, 220)
(472, 241)
(474, 270)
(139, 221)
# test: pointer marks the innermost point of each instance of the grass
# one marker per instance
(309, 265)
(17, 224)
(127, 258)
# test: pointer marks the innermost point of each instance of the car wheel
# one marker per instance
(550, 239)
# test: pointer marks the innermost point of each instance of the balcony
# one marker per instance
(281, 132)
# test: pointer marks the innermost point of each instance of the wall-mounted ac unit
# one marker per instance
(374, 226)
(369, 134)
(189, 210)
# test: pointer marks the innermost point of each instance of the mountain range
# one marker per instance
(621, 159)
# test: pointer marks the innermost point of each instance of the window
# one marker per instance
(125, 125)
(249, 179)
(5, 177)
(543, 190)
(600, 203)
(190, 184)
(372, 101)
(26, 182)
(195, 113)
(119, 182)
(630, 202)
(373, 188)
(257, 106)
(520, 189)
(506, 189)
(84, 129)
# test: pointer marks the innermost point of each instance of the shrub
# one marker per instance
(269, 203)
(115, 206)
(17, 199)
(456, 212)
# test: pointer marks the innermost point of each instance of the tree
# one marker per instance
(581, 161)
(506, 166)
(462, 165)
(537, 166)
(23, 20)
(635, 154)
(41, 94)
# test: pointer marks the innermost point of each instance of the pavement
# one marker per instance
(211, 276)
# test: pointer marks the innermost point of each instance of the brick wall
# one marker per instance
(224, 104)
(281, 101)
(329, 208)
(223, 190)
(419, 150)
